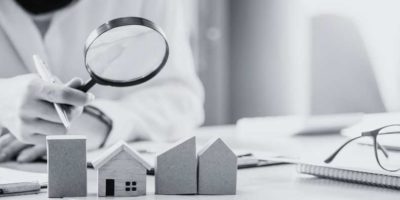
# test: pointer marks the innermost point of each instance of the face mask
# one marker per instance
(43, 6)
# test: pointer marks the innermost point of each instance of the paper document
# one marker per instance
(16, 176)
(149, 149)
(373, 121)
(292, 125)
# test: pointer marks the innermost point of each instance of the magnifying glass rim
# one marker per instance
(119, 22)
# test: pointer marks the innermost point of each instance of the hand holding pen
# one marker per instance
(47, 76)
(27, 106)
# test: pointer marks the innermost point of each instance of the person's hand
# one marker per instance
(11, 148)
(27, 109)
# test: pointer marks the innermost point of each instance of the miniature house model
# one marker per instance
(217, 169)
(176, 169)
(121, 172)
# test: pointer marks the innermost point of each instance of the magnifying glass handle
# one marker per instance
(86, 87)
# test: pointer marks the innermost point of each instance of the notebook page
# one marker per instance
(15, 176)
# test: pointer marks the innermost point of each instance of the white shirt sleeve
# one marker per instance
(171, 104)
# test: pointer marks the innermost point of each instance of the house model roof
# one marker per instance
(114, 150)
(177, 144)
(215, 141)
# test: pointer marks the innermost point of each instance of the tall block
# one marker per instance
(176, 169)
(66, 166)
(217, 169)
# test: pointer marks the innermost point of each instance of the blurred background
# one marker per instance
(283, 57)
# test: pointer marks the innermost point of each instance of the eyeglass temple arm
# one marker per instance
(370, 133)
(380, 147)
(331, 157)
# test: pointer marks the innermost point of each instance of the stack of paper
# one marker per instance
(295, 124)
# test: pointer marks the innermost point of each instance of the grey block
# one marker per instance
(217, 169)
(176, 169)
(66, 166)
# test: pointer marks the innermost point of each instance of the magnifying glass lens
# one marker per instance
(126, 53)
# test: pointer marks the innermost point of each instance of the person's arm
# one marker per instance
(28, 114)
(171, 104)
(27, 109)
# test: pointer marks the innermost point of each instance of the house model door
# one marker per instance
(110, 185)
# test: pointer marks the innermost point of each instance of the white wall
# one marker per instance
(269, 47)
(213, 59)
(278, 57)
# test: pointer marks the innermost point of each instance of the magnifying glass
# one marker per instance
(125, 52)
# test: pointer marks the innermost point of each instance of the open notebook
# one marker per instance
(356, 163)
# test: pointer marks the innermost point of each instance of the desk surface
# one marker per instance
(273, 182)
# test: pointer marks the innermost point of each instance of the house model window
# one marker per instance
(130, 186)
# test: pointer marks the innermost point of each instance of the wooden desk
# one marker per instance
(273, 182)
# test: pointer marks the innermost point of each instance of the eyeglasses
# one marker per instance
(387, 156)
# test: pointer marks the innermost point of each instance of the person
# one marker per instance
(165, 108)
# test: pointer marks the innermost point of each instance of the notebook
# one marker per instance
(364, 176)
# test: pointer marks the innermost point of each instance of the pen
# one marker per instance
(45, 74)
(19, 188)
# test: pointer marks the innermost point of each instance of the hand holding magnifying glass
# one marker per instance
(116, 53)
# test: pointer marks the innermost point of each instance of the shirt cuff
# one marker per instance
(123, 121)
